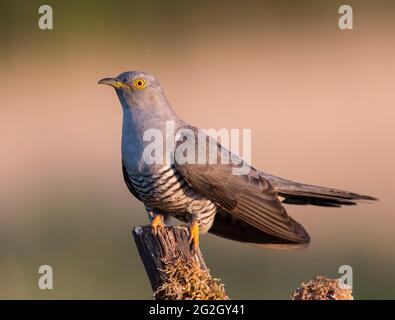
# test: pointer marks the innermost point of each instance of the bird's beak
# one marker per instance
(112, 82)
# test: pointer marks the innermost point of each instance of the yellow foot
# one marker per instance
(194, 234)
(157, 222)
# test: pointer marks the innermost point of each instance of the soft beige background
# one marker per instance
(320, 103)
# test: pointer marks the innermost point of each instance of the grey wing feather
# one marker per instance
(227, 226)
(250, 198)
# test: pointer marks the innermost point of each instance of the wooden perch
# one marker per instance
(174, 270)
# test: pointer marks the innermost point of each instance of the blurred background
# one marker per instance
(320, 103)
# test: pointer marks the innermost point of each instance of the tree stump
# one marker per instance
(174, 270)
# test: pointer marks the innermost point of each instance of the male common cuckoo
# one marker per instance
(209, 196)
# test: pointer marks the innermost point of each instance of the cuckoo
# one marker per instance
(208, 196)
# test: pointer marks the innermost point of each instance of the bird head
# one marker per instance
(136, 89)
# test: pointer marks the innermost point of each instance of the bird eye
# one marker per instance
(140, 83)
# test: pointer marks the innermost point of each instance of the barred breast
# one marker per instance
(167, 190)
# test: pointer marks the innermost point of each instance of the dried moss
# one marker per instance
(185, 280)
(322, 288)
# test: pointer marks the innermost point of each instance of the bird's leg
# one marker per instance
(157, 222)
(194, 234)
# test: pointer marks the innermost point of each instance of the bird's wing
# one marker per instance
(227, 226)
(250, 197)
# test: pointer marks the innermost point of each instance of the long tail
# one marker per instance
(302, 194)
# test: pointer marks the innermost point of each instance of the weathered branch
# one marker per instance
(174, 270)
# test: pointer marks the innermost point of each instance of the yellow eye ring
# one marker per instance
(140, 83)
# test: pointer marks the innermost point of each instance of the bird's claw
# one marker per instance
(156, 223)
(194, 235)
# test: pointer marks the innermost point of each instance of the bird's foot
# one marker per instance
(156, 223)
(194, 235)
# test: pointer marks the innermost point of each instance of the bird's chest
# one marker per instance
(164, 188)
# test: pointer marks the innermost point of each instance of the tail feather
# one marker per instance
(303, 194)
